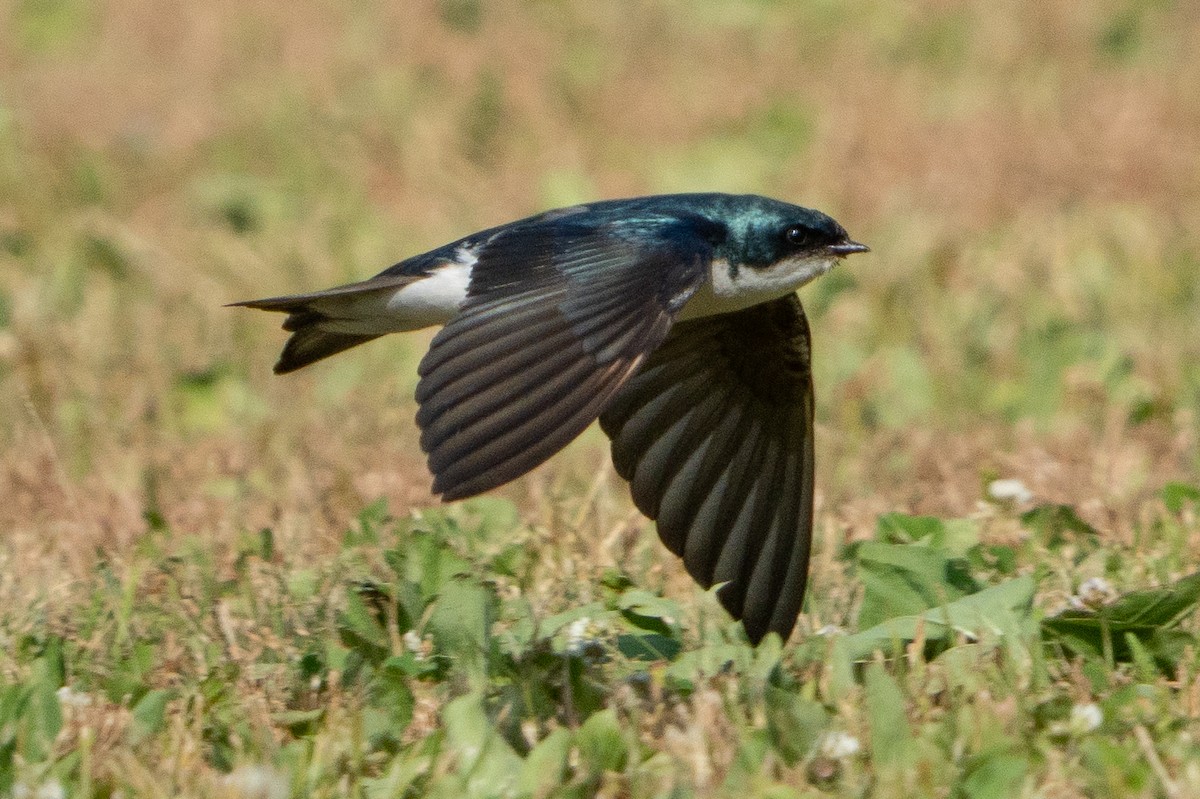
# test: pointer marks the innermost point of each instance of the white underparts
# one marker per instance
(744, 286)
(433, 300)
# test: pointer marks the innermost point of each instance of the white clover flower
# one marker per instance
(584, 636)
(69, 697)
(413, 643)
(1085, 718)
(257, 782)
(839, 745)
(51, 790)
(1009, 490)
(47, 790)
(1094, 592)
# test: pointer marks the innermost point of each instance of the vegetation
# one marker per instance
(216, 582)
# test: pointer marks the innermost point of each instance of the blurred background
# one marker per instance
(1027, 173)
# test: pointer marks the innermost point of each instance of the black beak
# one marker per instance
(847, 247)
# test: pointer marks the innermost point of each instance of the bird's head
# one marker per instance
(772, 246)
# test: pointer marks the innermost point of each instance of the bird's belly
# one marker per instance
(432, 301)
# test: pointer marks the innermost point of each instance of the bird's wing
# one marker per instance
(715, 437)
(558, 316)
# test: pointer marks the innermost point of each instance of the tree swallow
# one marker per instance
(672, 319)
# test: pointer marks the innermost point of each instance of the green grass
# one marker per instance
(215, 582)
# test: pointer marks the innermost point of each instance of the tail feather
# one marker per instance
(311, 344)
(313, 319)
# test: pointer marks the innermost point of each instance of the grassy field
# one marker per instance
(217, 582)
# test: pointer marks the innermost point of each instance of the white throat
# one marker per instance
(732, 290)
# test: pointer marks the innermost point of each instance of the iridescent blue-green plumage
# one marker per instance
(671, 319)
(742, 227)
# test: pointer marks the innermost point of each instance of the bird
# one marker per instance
(672, 319)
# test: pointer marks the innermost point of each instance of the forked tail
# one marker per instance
(325, 323)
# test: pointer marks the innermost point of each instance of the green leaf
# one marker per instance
(900, 528)
(651, 646)
(794, 723)
(995, 774)
(1053, 523)
(361, 631)
(905, 579)
(1149, 615)
(149, 715)
(648, 611)
(891, 737)
(461, 620)
(487, 763)
(389, 693)
(601, 742)
(546, 764)
(1176, 496)
(435, 564)
(990, 611)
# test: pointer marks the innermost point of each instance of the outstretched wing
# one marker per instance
(559, 315)
(715, 437)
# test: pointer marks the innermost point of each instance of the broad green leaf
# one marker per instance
(793, 722)
(389, 693)
(546, 764)
(1149, 615)
(648, 646)
(995, 774)
(461, 622)
(488, 765)
(360, 629)
(602, 743)
(891, 737)
(900, 528)
(649, 612)
(436, 564)
(985, 613)
(693, 664)
(905, 579)
(399, 778)
(148, 715)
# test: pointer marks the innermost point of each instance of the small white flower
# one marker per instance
(257, 782)
(583, 636)
(47, 790)
(830, 629)
(1085, 718)
(69, 697)
(839, 745)
(1009, 490)
(1094, 592)
(412, 640)
(51, 790)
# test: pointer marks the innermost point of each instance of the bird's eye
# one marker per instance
(798, 236)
